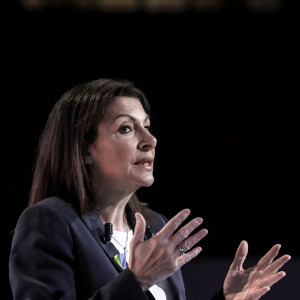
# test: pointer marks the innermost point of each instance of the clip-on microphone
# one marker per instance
(108, 232)
(149, 232)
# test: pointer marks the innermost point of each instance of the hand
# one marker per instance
(155, 259)
(252, 283)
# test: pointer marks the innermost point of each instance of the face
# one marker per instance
(121, 158)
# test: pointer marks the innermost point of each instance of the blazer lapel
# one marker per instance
(95, 225)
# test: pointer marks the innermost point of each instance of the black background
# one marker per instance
(224, 89)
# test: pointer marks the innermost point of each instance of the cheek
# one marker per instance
(115, 155)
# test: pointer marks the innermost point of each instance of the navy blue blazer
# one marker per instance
(56, 254)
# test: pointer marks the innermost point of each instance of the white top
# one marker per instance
(122, 240)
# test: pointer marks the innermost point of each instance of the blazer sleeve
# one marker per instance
(41, 262)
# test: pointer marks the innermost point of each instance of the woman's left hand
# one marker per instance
(253, 283)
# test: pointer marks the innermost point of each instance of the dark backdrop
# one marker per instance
(224, 92)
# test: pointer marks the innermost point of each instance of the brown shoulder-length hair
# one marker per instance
(71, 126)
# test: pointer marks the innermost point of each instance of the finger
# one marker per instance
(267, 259)
(139, 230)
(188, 244)
(240, 256)
(183, 259)
(186, 230)
(278, 263)
(174, 223)
(275, 278)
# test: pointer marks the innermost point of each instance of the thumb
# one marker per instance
(139, 230)
(240, 256)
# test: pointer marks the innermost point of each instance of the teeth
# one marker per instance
(144, 163)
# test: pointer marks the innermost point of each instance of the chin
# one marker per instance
(147, 182)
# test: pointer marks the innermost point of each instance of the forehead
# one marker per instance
(125, 105)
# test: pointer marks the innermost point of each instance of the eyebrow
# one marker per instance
(132, 118)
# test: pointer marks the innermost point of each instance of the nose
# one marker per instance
(148, 141)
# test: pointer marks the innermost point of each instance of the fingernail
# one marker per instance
(198, 250)
(187, 212)
(199, 220)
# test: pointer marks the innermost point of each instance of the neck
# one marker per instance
(115, 214)
(111, 206)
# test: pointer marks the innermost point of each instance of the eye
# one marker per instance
(125, 129)
(148, 128)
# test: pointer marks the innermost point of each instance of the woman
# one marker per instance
(85, 235)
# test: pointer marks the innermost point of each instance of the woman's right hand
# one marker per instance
(155, 259)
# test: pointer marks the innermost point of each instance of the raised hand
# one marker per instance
(154, 260)
(253, 283)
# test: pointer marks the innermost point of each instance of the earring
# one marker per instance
(88, 160)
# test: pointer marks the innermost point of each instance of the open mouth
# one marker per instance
(145, 162)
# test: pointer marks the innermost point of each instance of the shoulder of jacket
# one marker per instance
(53, 205)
